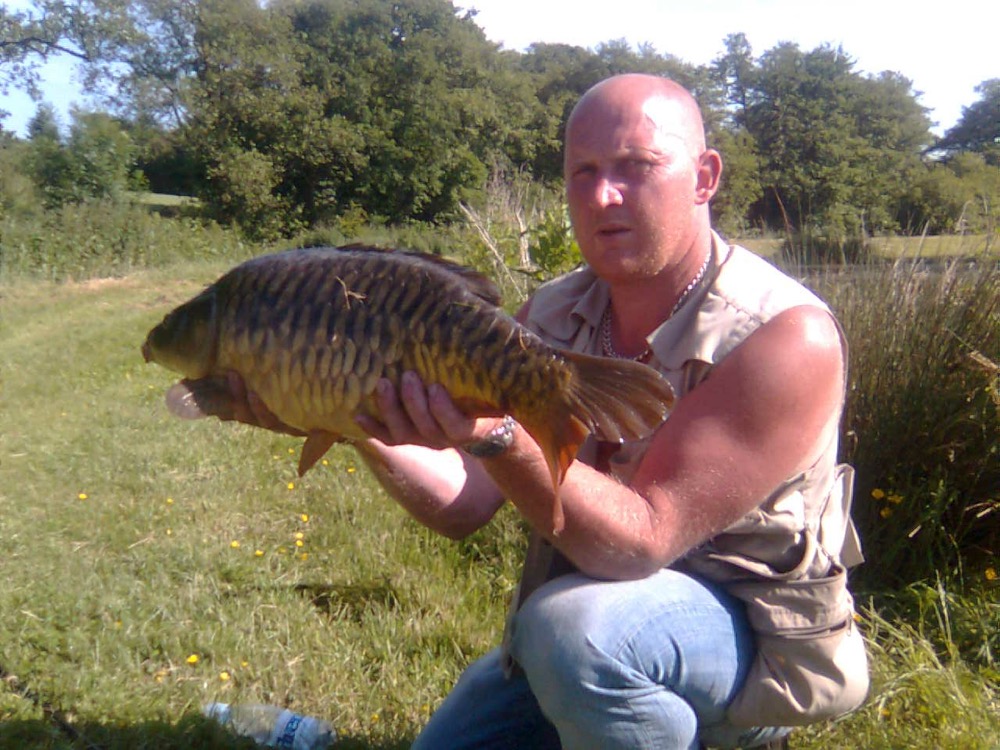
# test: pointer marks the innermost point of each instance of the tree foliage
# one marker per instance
(978, 130)
(294, 113)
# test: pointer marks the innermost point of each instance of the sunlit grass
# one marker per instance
(151, 565)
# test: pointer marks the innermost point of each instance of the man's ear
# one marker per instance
(709, 174)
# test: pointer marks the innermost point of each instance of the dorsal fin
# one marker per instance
(473, 280)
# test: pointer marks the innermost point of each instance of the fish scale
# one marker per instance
(312, 331)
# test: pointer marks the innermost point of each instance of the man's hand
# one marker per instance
(419, 414)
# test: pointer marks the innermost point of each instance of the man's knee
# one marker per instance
(550, 633)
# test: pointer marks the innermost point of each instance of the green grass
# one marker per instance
(106, 597)
(367, 623)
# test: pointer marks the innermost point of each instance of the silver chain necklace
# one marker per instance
(608, 348)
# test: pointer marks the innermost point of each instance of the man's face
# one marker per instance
(631, 181)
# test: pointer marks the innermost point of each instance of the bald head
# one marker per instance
(667, 106)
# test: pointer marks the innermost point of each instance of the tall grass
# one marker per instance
(922, 426)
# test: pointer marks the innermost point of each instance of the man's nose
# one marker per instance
(609, 192)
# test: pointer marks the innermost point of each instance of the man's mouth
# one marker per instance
(612, 230)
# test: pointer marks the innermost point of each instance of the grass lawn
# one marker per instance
(151, 565)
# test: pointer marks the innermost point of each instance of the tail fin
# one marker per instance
(614, 399)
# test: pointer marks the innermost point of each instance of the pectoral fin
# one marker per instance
(317, 444)
(196, 399)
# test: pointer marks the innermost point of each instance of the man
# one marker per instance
(696, 595)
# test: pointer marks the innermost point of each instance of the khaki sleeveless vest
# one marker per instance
(786, 560)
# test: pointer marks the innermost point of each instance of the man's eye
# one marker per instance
(638, 166)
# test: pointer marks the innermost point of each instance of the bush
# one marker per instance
(107, 238)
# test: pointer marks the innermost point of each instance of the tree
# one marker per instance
(740, 187)
(978, 130)
(833, 143)
(95, 162)
(734, 72)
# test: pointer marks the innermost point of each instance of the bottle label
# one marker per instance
(287, 737)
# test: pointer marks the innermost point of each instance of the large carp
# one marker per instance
(311, 331)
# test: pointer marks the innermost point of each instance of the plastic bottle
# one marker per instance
(273, 726)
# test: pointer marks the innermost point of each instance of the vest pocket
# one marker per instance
(811, 663)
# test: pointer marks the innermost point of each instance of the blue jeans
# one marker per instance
(651, 663)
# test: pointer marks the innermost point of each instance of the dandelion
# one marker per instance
(325, 462)
(374, 718)
(224, 676)
(258, 553)
(292, 451)
(193, 659)
(878, 494)
(235, 544)
(304, 518)
(894, 498)
(351, 469)
(291, 485)
(299, 543)
(304, 556)
(885, 512)
(170, 501)
(170, 532)
(299, 535)
(991, 574)
(244, 664)
(82, 496)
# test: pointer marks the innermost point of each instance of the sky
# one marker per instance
(946, 49)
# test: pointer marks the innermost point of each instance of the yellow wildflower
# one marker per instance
(291, 485)
(224, 676)
(299, 535)
(235, 544)
(304, 517)
(885, 512)
(991, 574)
(351, 469)
(82, 496)
(170, 501)
(193, 659)
(258, 553)
(878, 494)
(894, 498)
